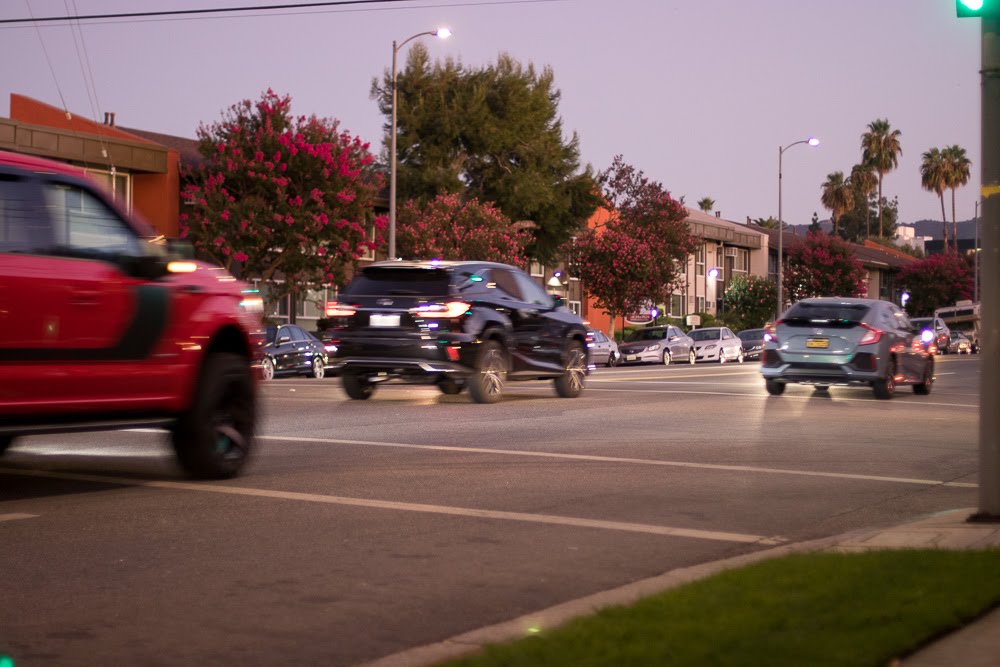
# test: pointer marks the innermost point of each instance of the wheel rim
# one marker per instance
(576, 369)
(494, 372)
(230, 441)
(318, 369)
(740, 358)
(691, 357)
(666, 358)
(268, 370)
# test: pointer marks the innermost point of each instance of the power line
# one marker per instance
(212, 10)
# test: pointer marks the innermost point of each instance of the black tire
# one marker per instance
(923, 387)
(5, 442)
(357, 386)
(214, 438)
(612, 360)
(774, 388)
(318, 370)
(487, 382)
(885, 388)
(450, 387)
(692, 356)
(666, 358)
(570, 384)
(267, 369)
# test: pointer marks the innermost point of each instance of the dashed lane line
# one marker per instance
(626, 460)
(15, 517)
(522, 517)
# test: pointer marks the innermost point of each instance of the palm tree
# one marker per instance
(863, 183)
(957, 176)
(880, 148)
(934, 177)
(706, 204)
(837, 197)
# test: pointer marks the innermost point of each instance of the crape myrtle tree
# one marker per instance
(493, 134)
(448, 228)
(637, 257)
(822, 265)
(281, 197)
(936, 281)
(750, 301)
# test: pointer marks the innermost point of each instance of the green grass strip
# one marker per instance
(807, 609)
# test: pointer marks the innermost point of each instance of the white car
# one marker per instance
(716, 344)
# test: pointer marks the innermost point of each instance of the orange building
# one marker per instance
(141, 173)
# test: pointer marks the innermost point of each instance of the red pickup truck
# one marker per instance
(103, 325)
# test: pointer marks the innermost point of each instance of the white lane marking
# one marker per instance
(524, 517)
(764, 397)
(620, 459)
(15, 517)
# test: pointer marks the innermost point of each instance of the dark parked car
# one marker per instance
(835, 341)
(603, 350)
(657, 345)
(454, 324)
(289, 349)
(753, 343)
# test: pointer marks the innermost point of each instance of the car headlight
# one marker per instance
(653, 348)
(710, 347)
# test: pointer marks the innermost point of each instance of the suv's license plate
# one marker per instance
(380, 320)
(818, 342)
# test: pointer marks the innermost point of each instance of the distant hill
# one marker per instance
(932, 228)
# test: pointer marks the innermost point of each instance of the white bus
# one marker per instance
(964, 317)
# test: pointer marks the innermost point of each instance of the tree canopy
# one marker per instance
(749, 301)
(281, 196)
(935, 281)
(822, 265)
(493, 134)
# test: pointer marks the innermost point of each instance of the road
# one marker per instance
(366, 528)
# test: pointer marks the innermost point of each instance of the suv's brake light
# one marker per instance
(337, 309)
(771, 332)
(871, 336)
(449, 310)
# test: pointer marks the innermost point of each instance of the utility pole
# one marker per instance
(989, 417)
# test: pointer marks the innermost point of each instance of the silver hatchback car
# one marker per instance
(839, 341)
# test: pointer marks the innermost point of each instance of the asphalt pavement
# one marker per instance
(367, 529)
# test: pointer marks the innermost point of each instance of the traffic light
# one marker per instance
(977, 8)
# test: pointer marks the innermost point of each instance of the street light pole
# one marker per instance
(812, 141)
(442, 33)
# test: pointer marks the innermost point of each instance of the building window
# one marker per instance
(676, 305)
(700, 304)
(699, 260)
(117, 184)
(741, 263)
(576, 307)
(537, 270)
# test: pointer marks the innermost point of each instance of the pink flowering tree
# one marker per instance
(822, 265)
(448, 228)
(281, 197)
(749, 301)
(637, 257)
(937, 281)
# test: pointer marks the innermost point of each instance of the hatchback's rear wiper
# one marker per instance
(404, 292)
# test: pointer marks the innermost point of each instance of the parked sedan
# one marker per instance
(839, 341)
(717, 344)
(959, 344)
(657, 345)
(753, 343)
(603, 350)
(289, 350)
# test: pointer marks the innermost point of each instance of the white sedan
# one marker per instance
(717, 344)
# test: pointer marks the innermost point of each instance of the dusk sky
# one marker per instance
(697, 94)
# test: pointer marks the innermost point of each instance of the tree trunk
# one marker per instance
(880, 204)
(944, 221)
(954, 222)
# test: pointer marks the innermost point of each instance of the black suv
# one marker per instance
(454, 324)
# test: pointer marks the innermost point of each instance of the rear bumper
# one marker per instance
(400, 367)
(861, 369)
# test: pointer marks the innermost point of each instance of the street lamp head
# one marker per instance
(442, 33)
(813, 141)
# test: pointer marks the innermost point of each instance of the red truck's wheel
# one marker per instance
(214, 438)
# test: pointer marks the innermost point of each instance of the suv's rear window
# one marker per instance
(376, 281)
(827, 313)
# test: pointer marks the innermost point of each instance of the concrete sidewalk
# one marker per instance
(976, 645)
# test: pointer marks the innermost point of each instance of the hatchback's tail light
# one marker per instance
(449, 310)
(337, 309)
(872, 335)
(771, 332)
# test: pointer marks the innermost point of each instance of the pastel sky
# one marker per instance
(698, 94)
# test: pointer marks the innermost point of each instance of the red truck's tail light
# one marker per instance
(337, 309)
(449, 310)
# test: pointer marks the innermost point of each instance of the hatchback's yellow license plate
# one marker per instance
(818, 342)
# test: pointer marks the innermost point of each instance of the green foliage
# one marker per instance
(767, 223)
(822, 265)
(750, 302)
(936, 281)
(281, 195)
(448, 228)
(706, 204)
(493, 134)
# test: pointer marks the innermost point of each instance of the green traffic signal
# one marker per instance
(977, 8)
